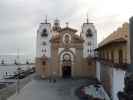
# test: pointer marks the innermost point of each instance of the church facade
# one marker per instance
(61, 52)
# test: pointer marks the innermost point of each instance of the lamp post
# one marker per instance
(18, 74)
(18, 81)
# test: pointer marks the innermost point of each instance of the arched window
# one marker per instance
(89, 43)
(120, 53)
(107, 56)
(112, 56)
(44, 43)
(44, 33)
(89, 33)
(44, 50)
(67, 39)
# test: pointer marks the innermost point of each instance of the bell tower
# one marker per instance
(43, 39)
(56, 25)
(89, 34)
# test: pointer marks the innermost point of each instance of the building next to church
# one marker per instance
(115, 47)
(62, 52)
(113, 57)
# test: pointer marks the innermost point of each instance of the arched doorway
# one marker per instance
(66, 66)
(120, 56)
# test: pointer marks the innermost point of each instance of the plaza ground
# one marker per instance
(37, 89)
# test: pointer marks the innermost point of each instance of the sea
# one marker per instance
(9, 66)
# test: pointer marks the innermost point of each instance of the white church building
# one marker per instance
(61, 52)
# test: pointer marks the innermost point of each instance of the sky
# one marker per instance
(19, 19)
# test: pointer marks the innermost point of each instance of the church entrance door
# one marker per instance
(66, 65)
(66, 71)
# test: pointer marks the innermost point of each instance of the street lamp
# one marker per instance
(18, 81)
(18, 74)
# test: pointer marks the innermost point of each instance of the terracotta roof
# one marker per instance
(121, 34)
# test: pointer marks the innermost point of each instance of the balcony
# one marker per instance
(115, 63)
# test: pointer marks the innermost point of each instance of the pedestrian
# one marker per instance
(50, 80)
(54, 75)
(54, 80)
(6, 73)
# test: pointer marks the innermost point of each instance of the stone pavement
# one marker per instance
(63, 89)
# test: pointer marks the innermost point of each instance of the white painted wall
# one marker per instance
(98, 69)
(117, 79)
(117, 82)
(92, 39)
(40, 40)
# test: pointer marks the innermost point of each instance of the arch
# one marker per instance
(120, 54)
(68, 52)
(89, 33)
(66, 63)
(44, 33)
(112, 56)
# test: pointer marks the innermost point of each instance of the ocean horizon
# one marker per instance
(21, 59)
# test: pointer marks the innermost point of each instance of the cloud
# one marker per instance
(19, 19)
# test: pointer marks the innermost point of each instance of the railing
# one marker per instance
(114, 63)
